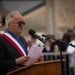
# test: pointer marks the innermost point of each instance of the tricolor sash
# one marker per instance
(15, 43)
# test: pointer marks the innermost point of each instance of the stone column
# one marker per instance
(50, 16)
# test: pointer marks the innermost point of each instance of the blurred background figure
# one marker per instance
(47, 48)
(50, 46)
(74, 29)
(55, 46)
(70, 33)
(71, 51)
(66, 38)
(47, 45)
(31, 41)
(28, 42)
(0, 21)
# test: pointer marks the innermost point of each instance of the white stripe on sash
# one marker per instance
(14, 40)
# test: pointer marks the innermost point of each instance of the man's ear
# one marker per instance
(10, 25)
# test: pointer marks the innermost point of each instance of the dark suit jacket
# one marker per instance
(8, 54)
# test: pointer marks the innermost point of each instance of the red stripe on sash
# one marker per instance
(17, 48)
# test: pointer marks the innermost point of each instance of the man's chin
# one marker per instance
(20, 32)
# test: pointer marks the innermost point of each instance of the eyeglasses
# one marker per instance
(20, 23)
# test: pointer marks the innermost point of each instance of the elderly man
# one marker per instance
(13, 50)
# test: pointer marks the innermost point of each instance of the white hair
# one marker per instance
(10, 17)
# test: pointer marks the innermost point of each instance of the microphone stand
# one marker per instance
(61, 52)
(62, 56)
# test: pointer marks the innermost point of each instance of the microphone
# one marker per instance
(46, 36)
(33, 33)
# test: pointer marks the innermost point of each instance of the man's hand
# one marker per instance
(40, 58)
(22, 60)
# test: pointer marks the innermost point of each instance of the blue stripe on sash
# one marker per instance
(17, 39)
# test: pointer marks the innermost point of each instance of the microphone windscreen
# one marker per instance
(31, 32)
